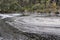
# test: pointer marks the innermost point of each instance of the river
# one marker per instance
(17, 27)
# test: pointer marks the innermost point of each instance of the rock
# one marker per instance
(57, 13)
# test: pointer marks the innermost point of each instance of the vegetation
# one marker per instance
(27, 5)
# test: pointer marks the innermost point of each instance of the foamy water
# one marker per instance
(2, 16)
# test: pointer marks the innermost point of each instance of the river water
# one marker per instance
(29, 27)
